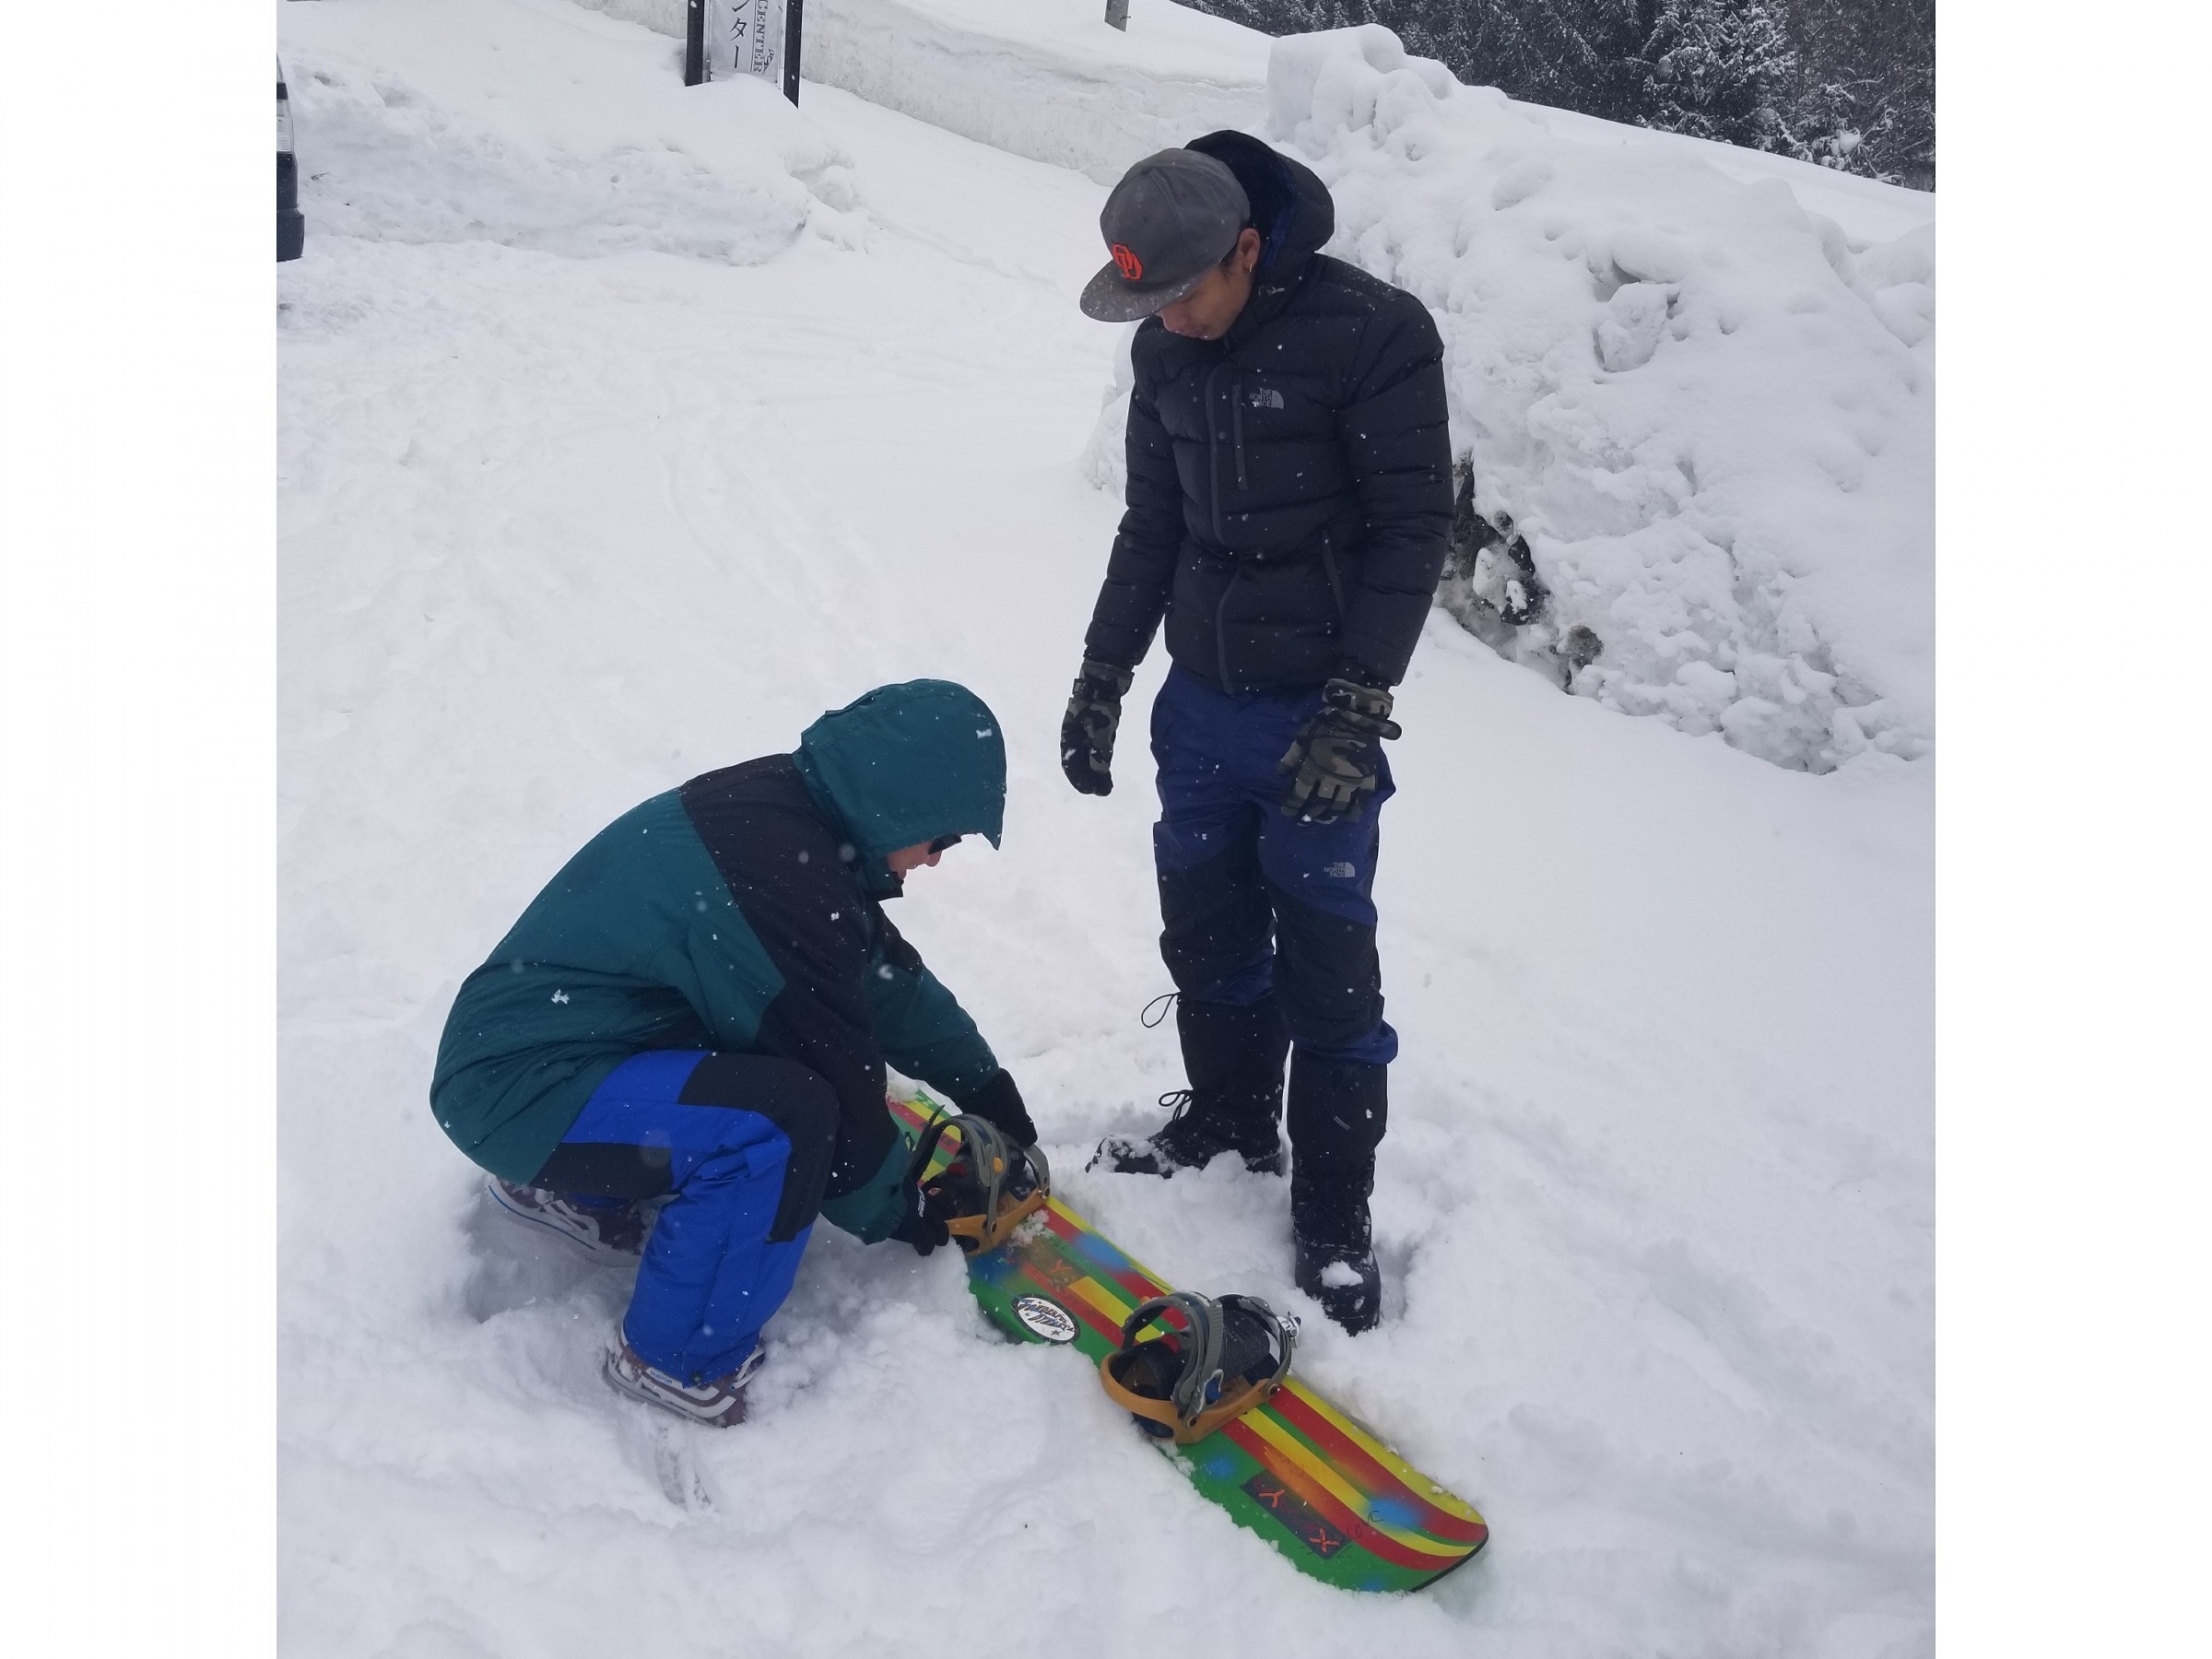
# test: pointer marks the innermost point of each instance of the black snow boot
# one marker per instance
(1234, 1058)
(1337, 1114)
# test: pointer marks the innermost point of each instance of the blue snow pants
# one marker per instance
(743, 1142)
(1252, 901)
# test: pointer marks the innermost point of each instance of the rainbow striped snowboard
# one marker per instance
(1318, 1485)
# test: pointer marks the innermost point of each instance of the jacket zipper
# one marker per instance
(1213, 465)
(1213, 455)
(1236, 421)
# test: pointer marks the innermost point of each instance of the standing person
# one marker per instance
(699, 1007)
(1289, 497)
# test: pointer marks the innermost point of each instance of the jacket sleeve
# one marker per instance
(1141, 568)
(925, 1032)
(1397, 434)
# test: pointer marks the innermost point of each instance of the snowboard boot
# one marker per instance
(603, 1226)
(1234, 1059)
(719, 1404)
(1337, 1115)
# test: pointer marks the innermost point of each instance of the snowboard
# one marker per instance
(1306, 1476)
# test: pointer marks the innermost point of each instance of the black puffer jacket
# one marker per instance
(1289, 483)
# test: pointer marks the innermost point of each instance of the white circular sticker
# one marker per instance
(1045, 1318)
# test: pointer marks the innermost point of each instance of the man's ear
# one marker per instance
(1248, 249)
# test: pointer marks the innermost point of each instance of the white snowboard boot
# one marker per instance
(719, 1404)
(608, 1230)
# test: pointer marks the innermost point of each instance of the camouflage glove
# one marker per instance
(1335, 758)
(1087, 730)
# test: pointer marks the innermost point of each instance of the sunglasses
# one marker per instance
(944, 843)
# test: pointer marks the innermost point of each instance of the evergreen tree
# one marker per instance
(1722, 69)
(1850, 84)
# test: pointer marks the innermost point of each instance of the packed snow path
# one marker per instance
(568, 521)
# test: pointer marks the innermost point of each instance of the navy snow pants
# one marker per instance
(743, 1144)
(1252, 901)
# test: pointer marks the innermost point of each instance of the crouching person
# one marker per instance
(699, 1008)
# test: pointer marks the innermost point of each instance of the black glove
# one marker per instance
(1087, 730)
(1335, 756)
(1000, 1102)
(923, 1225)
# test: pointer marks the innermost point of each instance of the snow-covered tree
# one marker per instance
(1722, 69)
(1850, 84)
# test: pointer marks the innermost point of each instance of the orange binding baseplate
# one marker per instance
(1232, 1356)
(1007, 1183)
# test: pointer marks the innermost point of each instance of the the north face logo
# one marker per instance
(1126, 261)
(1264, 397)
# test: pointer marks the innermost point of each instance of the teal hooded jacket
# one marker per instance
(742, 913)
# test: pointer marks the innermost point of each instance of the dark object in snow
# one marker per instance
(291, 224)
(1581, 648)
(695, 42)
(1490, 564)
(791, 49)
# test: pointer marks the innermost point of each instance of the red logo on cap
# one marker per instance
(1128, 264)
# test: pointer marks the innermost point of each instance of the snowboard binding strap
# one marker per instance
(991, 1186)
(1232, 1355)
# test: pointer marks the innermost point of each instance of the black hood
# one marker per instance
(1290, 205)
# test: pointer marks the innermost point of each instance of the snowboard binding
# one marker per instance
(1232, 1355)
(990, 1187)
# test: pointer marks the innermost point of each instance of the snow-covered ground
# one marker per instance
(624, 429)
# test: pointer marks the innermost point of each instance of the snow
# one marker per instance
(547, 127)
(1043, 78)
(594, 478)
(1712, 416)
(1046, 79)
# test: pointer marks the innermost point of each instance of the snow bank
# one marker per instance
(1710, 415)
(422, 121)
(1042, 79)
(1046, 78)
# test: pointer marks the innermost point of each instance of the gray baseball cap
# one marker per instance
(1172, 218)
